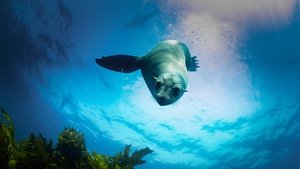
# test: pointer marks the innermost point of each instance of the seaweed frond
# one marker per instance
(7, 141)
(71, 149)
(98, 161)
(35, 152)
(124, 160)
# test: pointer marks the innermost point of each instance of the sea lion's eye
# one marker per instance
(176, 91)
(157, 85)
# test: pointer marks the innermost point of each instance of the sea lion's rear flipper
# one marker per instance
(193, 64)
(120, 63)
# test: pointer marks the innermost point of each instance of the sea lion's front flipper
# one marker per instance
(193, 64)
(120, 63)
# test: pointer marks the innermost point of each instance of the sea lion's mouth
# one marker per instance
(162, 101)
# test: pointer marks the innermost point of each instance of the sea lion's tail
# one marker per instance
(120, 63)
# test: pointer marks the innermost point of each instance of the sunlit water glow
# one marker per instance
(242, 107)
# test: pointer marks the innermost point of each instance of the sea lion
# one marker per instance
(164, 69)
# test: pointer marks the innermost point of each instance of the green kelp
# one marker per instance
(99, 161)
(7, 141)
(124, 160)
(70, 152)
(35, 152)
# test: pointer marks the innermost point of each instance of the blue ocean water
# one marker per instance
(242, 108)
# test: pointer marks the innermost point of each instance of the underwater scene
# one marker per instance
(150, 84)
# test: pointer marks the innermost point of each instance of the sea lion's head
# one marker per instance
(168, 88)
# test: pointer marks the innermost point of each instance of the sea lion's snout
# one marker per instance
(161, 93)
(162, 101)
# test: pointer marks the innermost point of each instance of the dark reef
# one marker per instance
(36, 152)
